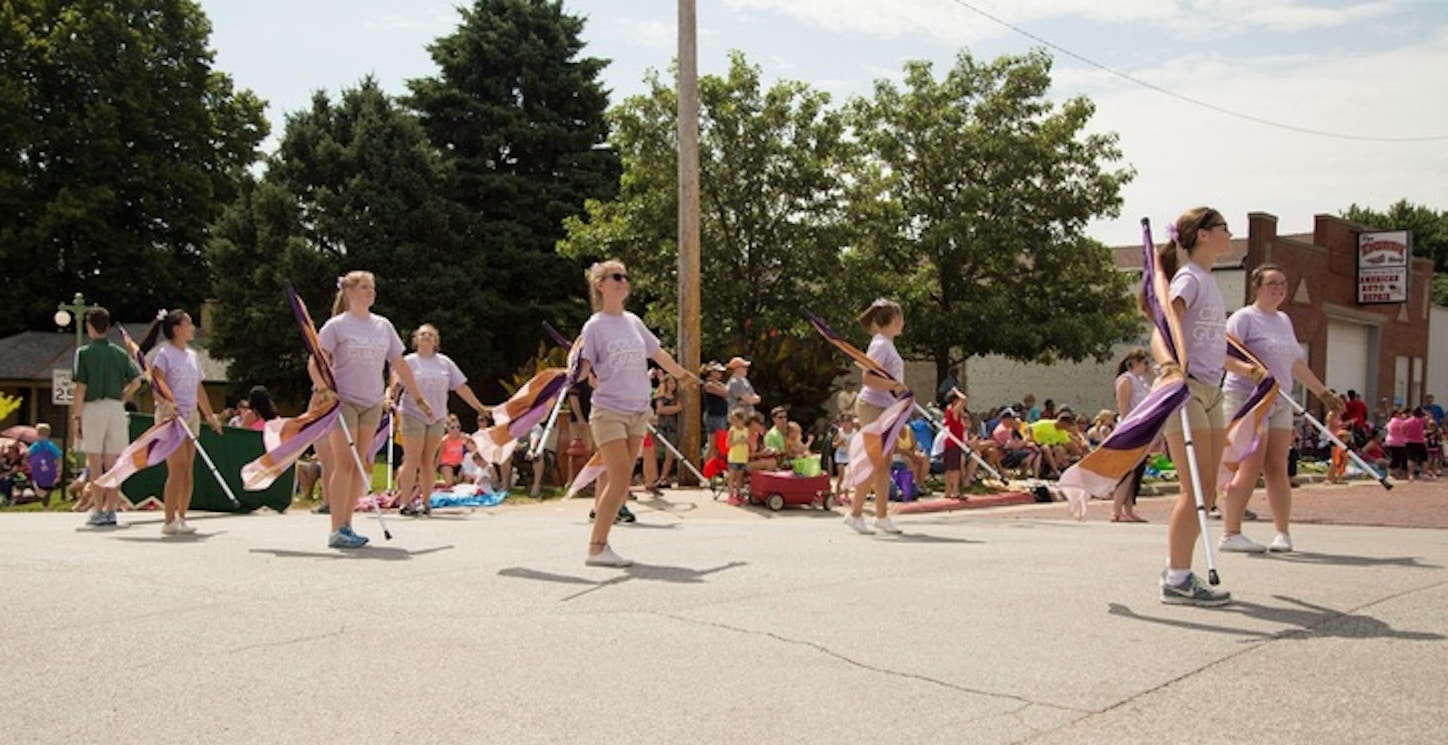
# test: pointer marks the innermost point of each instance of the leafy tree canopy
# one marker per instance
(121, 146)
(971, 205)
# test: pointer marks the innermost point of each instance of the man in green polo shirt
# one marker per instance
(1052, 436)
(105, 377)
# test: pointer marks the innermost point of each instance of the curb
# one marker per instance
(974, 502)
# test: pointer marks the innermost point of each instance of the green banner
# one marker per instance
(232, 449)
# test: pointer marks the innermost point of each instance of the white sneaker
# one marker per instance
(858, 525)
(886, 525)
(1281, 542)
(183, 528)
(607, 558)
(171, 528)
(1240, 544)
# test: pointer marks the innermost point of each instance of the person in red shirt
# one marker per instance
(1355, 414)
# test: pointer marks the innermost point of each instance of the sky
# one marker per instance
(1350, 97)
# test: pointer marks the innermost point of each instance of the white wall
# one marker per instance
(1436, 377)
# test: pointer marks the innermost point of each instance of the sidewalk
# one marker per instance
(737, 625)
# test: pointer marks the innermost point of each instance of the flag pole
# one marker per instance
(1381, 478)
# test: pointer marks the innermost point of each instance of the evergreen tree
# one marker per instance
(520, 117)
(354, 185)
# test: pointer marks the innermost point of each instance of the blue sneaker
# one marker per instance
(347, 529)
(347, 539)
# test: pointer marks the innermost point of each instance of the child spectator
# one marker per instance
(739, 448)
(842, 439)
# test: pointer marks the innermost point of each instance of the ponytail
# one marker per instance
(1182, 240)
(879, 314)
(345, 282)
(164, 325)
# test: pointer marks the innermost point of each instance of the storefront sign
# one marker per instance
(1383, 263)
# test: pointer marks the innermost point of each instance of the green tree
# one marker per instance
(971, 207)
(121, 146)
(520, 117)
(354, 185)
(1430, 235)
(771, 215)
(771, 220)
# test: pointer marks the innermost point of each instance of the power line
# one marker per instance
(1188, 99)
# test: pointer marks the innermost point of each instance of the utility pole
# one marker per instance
(689, 308)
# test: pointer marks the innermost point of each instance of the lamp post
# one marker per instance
(64, 314)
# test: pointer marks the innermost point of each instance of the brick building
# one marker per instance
(1379, 350)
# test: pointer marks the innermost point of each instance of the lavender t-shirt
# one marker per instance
(619, 346)
(882, 350)
(1271, 337)
(1204, 324)
(182, 372)
(360, 347)
(436, 375)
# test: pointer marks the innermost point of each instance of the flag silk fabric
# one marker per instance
(150, 449)
(586, 475)
(876, 443)
(155, 444)
(1244, 432)
(1103, 468)
(877, 439)
(286, 439)
(514, 418)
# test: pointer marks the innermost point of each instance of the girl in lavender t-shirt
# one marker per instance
(357, 344)
(616, 347)
(176, 369)
(1202, 235)
(1268, 334)
(885, 320)
(436, 374)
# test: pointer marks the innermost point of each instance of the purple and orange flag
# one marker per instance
(1244, 432)
(286, 439)
(155, 444)
(1103, 468)
(877, 439)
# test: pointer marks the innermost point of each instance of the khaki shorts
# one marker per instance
(104, 428)
(608, 426)
(414, 427)
(361, 421)
(866, 413)
(1204, 409)
(1278, 417)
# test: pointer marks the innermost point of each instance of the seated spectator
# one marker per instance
(477, 470)
(796, 445)
(309, 474)
(1101, 428)
(1016, 451)
(13, 470)
(761, 456)
(258, 410)
(46, 462)
(1052, 436)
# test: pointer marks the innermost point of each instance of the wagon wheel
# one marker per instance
(753, 499)
(776, 501)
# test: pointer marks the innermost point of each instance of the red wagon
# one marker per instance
(780, 488)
